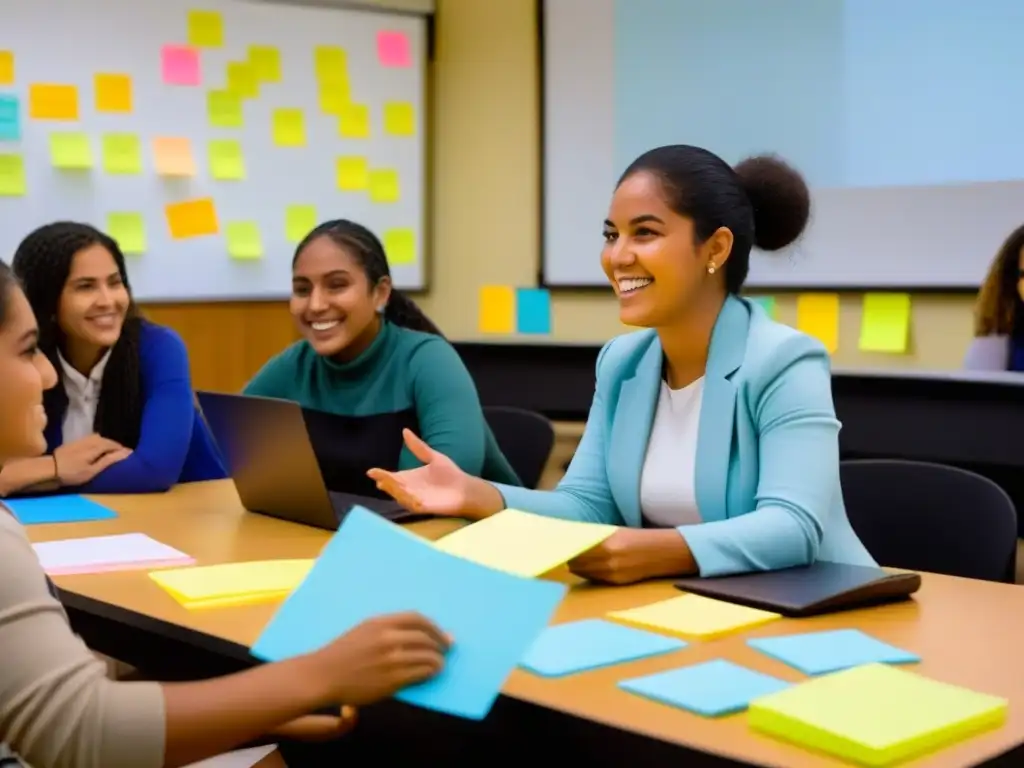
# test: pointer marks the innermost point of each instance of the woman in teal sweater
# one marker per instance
(371, 365)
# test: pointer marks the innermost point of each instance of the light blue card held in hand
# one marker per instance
(818, 653)
(40, 510)
(373, 567)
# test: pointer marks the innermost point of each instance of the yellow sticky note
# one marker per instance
(6, 68)
(384, 186)
(885, 322)
(875, 714)
(694, 616)
(224, 109)
(122, 153)
(244, 241)
(205, 29)
(289, 128)
(299, 221)
(172, 156)
(353, 174)
(265, 61)
(242, 80)
(192, 218)
(522, 543)
(48, 101)
(354, 122)
(226, 160)
(71, 151)
(399, 119)
(113, 93)
(400, 246)
(129, 230)
(335, 98)
(12, 176)
(330, 64)
(817, 314)
(497, 310)
(233, 583)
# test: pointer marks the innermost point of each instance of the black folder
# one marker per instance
(807, 591)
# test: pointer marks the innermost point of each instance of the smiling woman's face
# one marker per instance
(95, 301)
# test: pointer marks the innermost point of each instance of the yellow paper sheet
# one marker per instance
(113, 93)
(71, 151)
(497, 311)
(244, 241)
(205, 29)
(192, 218)
(885, 323)
(875, 714)
(242, 79)
(330, 64)
(384, 187)
(400, 246)
(172, 156)
(335, 98)
(6, 68)
(232, 583)
(129, 230)
(50, 101)
(694, 616)
(12, 176)
(354, 122)
(523, 544)
(266, 63)
(299, 221)
(817, 314)
(122, 153)
(289, 128)
(353, 174)
(224, 109)
(399, 119)
(227, 162)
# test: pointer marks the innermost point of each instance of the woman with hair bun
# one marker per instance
(712, 438)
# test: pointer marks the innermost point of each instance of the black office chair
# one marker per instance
(525, 437)
(931, 517)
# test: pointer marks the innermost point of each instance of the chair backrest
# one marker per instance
(931, 517)
(525, 437)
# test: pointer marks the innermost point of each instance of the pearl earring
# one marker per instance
(711, 269)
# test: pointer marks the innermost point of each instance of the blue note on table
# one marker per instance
(372, 567)
(818, 653)
(711, 689)
(39, 510)
(592, 643)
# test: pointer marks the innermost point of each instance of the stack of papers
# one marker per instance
(42, 510)
(219, 586)
(95, 554)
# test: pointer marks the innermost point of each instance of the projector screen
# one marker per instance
(905, 116)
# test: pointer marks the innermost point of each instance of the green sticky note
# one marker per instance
(242, 79)
(384, 185)
(226, 160)
(122, 153)
(266, 63)
(244, 241)
(12, 176)
(299, 221)
(129, 230)
(400, 246)
(885, 323)
(289, 128)
(71, 151)
(224, 109)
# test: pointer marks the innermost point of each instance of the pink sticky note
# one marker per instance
(393, 49)
(180, 65)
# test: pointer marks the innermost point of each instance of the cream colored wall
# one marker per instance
(486, 171)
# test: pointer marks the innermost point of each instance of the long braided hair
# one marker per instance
(367, 249)
(43, 263)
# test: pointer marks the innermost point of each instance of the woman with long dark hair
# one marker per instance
(998, 343)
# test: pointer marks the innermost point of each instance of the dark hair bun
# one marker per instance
(780, 197)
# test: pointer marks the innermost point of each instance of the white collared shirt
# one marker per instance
(83, 398)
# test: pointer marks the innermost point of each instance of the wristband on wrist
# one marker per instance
(56, 470)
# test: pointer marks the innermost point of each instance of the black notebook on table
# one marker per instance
(819, 588)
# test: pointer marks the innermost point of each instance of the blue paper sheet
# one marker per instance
(583, 645)
(373, 567)
(711, 689)
(533, 310)
(818, 653)
(39, 510)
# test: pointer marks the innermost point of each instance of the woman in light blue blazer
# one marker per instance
(712, 438)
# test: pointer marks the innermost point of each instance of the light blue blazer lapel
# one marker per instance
(718, 409)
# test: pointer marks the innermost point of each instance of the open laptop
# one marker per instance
(268, 453)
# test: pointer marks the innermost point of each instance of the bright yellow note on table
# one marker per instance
(226, 160)
(694, 616)
(885, 322)
(817, 314)
(523, 544)
(71, 151)
(233, 583)
(122, 153)
(12, 176)
(129, 230)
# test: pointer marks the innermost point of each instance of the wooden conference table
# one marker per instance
(967, 633)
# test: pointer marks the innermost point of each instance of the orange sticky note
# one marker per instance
(172, 156)
(113, 93)
(6, 68)
(817, 314)
(497, 309)
(192, 218)
(50, 101)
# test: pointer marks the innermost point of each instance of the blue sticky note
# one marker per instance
(818, 653)
(583, 645)
(711, 689)
(533, 310)
(372, 567)
(10, 121)
(39, 510)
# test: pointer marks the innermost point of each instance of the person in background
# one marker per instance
(998, 343)
(712, 437)
(370, 365)
(122, 417)
(58, 709)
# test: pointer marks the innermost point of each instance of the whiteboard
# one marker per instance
(385, 56)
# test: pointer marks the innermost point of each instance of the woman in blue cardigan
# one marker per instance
(122, 418)
(712, 438)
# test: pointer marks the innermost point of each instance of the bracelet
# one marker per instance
(56, 470)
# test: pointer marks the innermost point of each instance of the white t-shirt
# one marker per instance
(83, 398)
(668, 481)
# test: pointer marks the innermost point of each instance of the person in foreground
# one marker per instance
(998, 343)
(376, 365)
(122, 417)
(57, 707)
(712, 436)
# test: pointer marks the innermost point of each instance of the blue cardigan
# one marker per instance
(175, 445)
